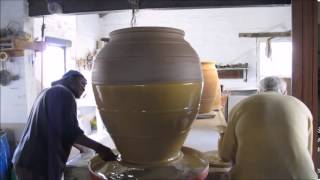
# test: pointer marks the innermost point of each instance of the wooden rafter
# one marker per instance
(265, 34)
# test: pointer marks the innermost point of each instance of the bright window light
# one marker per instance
(53, 65)
(280, 62)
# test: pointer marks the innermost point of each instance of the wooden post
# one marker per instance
(305, 60)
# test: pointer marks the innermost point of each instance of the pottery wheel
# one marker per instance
(193, 165)
(216, 163)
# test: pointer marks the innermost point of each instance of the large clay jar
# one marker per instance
(147, 84)
(211, 94)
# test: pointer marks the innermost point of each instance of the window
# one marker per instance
(53, 65)
(280, 61)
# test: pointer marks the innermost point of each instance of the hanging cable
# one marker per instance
(257, 63)
(135, 8)
(268, 51)
(43, 27)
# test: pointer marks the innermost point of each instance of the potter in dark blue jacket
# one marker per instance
(52, 129)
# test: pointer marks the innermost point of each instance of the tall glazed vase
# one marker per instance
(147, 84)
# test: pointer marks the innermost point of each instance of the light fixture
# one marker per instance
(54, 8)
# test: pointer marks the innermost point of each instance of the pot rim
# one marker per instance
(147, 29)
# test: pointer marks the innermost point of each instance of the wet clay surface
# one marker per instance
(190, 166)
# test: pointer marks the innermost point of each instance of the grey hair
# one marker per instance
(273, 83)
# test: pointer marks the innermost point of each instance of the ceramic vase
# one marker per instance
(211, 94)
(147, 84)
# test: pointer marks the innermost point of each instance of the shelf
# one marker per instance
(15, 46)
(233, 73)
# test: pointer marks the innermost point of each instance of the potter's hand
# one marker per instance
(106, 154)
(220, 129)
(220, 139)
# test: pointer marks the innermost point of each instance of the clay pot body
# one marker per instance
(211, 94)
(147, 85)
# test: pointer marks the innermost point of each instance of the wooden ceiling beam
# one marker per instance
(39, 7)
(265, 34)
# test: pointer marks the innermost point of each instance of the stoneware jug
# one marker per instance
(211, 94)
(147, 84)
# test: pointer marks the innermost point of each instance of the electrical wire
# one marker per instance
(135, 8)
(43, 27)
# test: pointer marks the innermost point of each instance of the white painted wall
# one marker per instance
(59, 26)
(87, 33)
(33, 86)
(82, 30)
(213, 32)
(12, 11)
(17, 97)
(13, 95)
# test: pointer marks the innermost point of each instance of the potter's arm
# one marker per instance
(81, 148)
(104, 152)
(227, 145)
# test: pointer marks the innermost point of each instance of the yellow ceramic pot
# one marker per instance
(147, 84)
(211, 94)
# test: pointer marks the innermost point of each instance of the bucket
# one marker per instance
(4, 156)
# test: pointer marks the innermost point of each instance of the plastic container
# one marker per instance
(4, 156)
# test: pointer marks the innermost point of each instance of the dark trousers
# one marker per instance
(25, 174)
